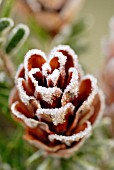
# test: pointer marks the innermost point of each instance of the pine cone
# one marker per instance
(56, 103)
(51, 15)
(107, 73)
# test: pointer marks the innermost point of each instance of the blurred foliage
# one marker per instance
(6, 8)
(4, 94)
(18, 155)
(11, 39)
(13, 150)
(97, 153)
(14, 39)
(74, 35)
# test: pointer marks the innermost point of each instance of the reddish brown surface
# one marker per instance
(75, 121)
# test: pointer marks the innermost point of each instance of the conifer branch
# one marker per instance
(7, 65)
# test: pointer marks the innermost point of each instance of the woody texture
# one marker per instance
(55, 102)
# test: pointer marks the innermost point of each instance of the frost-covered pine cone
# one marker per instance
(107, 73)
(51, 15)
(56, 103)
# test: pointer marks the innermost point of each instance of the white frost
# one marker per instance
(58, 114)
(72, 87)
(22, 93)
(30, 74)
(53, 77)
(28, 121)
(48, 94)
(29, 55)
(68, 140)
(94, 90)
(70, 52)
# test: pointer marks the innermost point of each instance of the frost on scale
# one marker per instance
(56, 104)
(57, 115)
(70, 139)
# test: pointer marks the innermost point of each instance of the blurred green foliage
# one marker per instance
(6, 8)
(91, 156)
(73, 35)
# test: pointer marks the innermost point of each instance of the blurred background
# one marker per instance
(100, 13)
(89, 29)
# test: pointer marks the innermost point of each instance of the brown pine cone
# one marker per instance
(51, 15)
(56, 103)
(107, 73)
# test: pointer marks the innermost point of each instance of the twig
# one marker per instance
(8, 65)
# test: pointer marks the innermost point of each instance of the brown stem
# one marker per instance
(8, 65)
